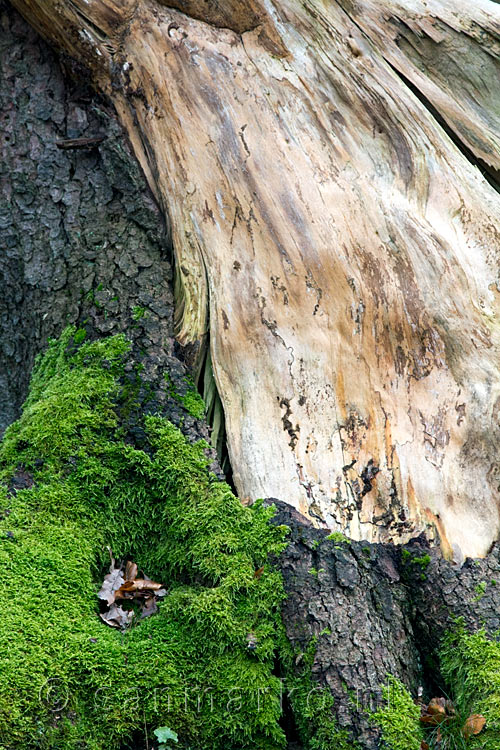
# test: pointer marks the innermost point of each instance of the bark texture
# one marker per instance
(83, 241)
(342, 250)
(376, 610)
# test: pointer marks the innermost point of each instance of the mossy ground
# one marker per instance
(66, 679)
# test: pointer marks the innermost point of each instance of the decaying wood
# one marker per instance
(341, 250)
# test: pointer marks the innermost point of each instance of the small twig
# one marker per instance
(68, 143)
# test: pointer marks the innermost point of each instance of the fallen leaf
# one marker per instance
(117, 617)
(149, 607)
(137, 589)
(258, 572)
(140, 584)
(130, 571)
(474, 725)
(437, 711)
(123, 585)
(111, 584)
(424, 745)
(436, 706)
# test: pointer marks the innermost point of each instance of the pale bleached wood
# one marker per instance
(346, 251)
(450, 50)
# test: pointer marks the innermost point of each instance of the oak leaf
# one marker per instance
(117, 617)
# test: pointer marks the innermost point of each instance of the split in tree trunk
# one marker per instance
(341, 249)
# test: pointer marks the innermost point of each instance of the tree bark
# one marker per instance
(374, 612)
(333, 233)
(83, 241)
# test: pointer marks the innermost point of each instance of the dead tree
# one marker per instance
(329, 172)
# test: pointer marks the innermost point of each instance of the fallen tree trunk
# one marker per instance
(340, 249)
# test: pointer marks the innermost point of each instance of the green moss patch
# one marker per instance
(470, 663)
(188, 396)
(399, 718)
(338, 538)
(66, 679)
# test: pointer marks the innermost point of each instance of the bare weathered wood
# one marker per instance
(450, 50)
(343, 252)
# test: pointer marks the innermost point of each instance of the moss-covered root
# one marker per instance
(67, 680)
(470, 663)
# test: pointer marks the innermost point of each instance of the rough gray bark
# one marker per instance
(374, 612)
(82, 240)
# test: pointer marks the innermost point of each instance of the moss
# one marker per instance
(423, 561)
(190, 398)
(80, 335)
(480, 590)
(470, 663)
(138, 312)
(338, 538)
(66, 679)
(313, 572)
(399, 719)
(415, 563)
(193, 403)
(312, 705)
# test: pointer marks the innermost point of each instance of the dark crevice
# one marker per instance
(490, 174)
(289, 725)
(287, 719)
(214, 416)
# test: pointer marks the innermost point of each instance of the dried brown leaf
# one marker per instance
(433, 720)
(474, 725)
(117, 617)
(438, 711)
(124, 585)
(130, 571)
(138, 585)
(437, 706)
(111, 584)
